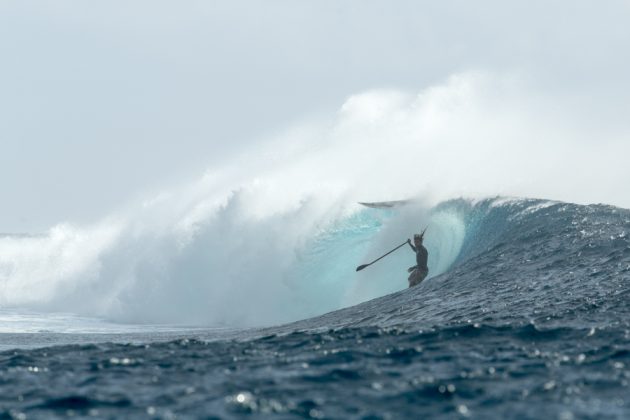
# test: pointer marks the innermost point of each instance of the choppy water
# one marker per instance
(530, 319)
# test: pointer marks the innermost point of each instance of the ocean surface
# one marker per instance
(525, 314)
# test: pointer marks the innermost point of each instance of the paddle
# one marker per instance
(361, 267)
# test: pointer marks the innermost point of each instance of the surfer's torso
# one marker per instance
(421, 270)
(422, 257)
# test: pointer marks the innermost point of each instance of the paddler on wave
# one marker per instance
(419, 271)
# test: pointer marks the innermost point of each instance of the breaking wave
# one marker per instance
(275, 235)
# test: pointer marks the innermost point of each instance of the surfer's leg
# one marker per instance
(417, 276)
(413, 278)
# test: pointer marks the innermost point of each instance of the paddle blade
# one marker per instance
(361, 267)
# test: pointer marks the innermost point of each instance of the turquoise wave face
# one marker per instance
(326, 264)
(325, 267)
(520, 262)
(473, 247)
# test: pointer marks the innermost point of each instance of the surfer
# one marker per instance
(419, 271)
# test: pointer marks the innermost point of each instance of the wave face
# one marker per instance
(520, 262)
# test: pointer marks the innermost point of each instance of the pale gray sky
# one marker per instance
(102, 101)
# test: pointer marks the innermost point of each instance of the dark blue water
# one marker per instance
(531, 321)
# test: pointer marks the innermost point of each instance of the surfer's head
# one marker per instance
(418, 237)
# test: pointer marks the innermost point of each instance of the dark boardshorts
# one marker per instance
(417, 275)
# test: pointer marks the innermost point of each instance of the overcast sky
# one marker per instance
(103, 101)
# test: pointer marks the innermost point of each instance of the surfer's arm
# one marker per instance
(411, 245)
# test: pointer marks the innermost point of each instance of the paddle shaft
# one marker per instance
(361, 267)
